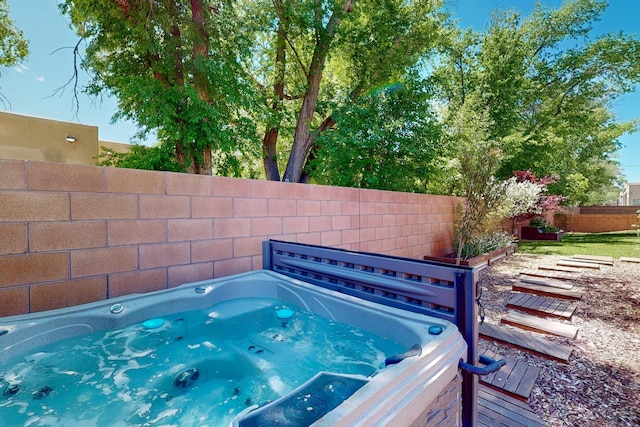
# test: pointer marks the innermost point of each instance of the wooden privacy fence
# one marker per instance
(597, 219)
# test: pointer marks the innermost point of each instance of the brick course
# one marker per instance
(71, 234)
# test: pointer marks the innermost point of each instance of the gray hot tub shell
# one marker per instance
(404, 394)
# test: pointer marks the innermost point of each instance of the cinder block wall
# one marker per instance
(71, 234)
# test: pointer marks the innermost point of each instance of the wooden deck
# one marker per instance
(562, 275)
(547, 291)
(516, 378)
(543, 326)
(604, 260)
(526, 341)
(543, 306)
(579, 264)
(560, 268)
(554, 283)
(496, 409)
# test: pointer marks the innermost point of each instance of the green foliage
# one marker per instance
(315, 60)
(159, 157)
(334, 84)
(173, 66)
(548, 88)
(209, 80)
(478, 157)
(543, 225)
(13, 46)
(482, 244)
(387, 139)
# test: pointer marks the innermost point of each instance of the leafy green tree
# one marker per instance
(159, 158)
(387, 139)
(548, 87)
(214, 78)
(14, 48)
(321, 57)
(478, 157)
(173, 66)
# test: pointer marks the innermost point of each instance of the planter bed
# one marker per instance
(477, 261)
(534, 233)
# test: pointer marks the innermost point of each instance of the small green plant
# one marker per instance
(538, 222)
(481, 244)
(543, 226)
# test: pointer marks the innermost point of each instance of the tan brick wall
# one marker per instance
(71, 234)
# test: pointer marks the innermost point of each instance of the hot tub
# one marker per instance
(421, 387)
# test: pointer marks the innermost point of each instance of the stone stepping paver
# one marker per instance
(629, 259)
(537, 324)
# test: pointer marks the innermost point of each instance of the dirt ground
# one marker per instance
(601, 384)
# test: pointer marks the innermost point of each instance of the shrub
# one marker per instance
(481, 244)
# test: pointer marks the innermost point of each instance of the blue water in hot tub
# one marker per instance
(196, 368)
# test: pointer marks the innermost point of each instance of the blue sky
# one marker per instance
(30, 87)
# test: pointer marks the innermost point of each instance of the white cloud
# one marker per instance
(40, 79)
(21, 68)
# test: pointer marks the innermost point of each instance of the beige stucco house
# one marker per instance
(630, 195)
(33, 138)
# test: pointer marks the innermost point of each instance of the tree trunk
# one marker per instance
(270, 161)
(303, 139)
(270, 140)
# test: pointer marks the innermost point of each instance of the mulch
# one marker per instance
(600, 386)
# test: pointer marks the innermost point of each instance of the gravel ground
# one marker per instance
(601, 384)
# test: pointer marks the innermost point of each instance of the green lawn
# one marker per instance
(615, 244)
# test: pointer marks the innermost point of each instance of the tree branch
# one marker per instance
(73, 80)
(295, 53)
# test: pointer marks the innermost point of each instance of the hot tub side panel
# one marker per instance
(420, 391)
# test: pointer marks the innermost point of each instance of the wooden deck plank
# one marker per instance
(546, 291)
(493, 355)
(561, 268)
(518, 298)
(528, 380)
(552, 283)
(562, 275)
(537, 324)
(554, 307)
(522, 340)
(500, 380)
(604, 260)
(498, 409)
(543, 306)
(629, 259)
(581, 264)
(515, 378)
